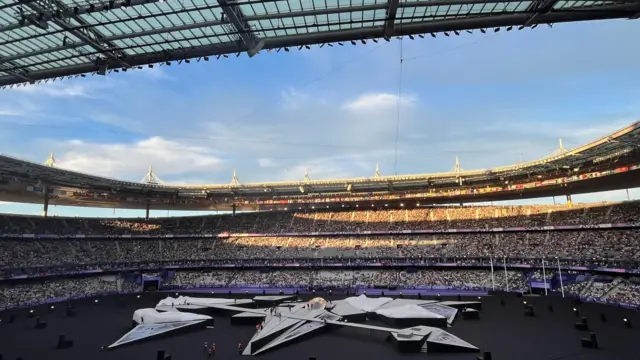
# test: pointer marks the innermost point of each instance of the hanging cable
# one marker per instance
(399, 113)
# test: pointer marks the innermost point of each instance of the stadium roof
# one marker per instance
(49, 39)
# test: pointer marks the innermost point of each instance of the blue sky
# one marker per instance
(492, 99)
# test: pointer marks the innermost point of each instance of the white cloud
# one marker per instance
(130, 161)
(377, 102)
(10, 112)
(116, 120)
(334, 167)
(63, 89)
(266, 163)
(156, 73)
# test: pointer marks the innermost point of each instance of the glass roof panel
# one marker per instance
(563, 5)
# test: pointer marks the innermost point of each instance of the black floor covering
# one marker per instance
(503, 330)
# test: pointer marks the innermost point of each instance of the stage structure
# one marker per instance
(149, 323)
(292, 321)
(54, 39)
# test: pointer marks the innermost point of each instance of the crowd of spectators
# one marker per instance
(348, 220)
(599, 288)
(13, 295)
(459, 279)
(602, 247)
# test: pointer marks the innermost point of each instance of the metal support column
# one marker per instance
(45, 205)
(146, 215)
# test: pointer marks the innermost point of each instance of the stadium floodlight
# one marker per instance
(550, 25)
(168, 63)
(534, 26)
(307, 47)
(225, 56)
(363, 41)
(206, 58)
(353, 42)
(496, 29)
(387, 39)
(421, 36)
(150, 66)
(401, 205)
(411, 37)
(456, 32)
(187, 61)
(386, 205)
(341, 44)
(470, 31)
(446, 33)
(330, 44)
(520, 27)
(433, 35)
(509, 28)
(375, 41)
(483, 31)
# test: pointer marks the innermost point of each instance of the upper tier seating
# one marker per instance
(439, 218)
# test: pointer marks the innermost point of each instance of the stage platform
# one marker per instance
(548, 335)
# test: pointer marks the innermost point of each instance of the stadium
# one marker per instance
(379, 267)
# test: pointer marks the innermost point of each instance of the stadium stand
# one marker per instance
(435, 218)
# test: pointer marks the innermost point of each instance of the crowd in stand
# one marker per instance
(12, 295)
(349, 220)
(459, 279)
(603, 247)
(595, 288)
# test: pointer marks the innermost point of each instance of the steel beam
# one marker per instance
(80, 35)
(392, 10)
(22, 74)
(338, 36)
(233, 12)
(539, 7)
(69, 12)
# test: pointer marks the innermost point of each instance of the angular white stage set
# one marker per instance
(150, 323)
(293, 320)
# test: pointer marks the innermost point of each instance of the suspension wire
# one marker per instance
(399, 113)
